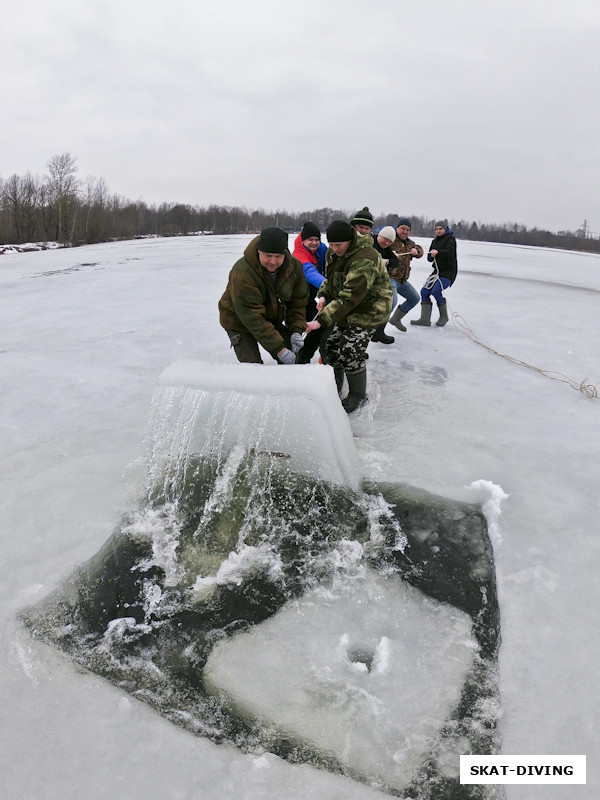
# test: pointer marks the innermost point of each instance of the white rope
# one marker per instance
(434, 277)
(587, 389)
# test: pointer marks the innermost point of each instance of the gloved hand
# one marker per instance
(286, 356)
(297, 342)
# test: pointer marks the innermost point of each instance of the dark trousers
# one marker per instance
(245, 347)
(312, 340)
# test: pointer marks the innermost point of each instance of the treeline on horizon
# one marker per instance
(61, 207)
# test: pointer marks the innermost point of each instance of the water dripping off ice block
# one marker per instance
(293, 415)
(364, 675)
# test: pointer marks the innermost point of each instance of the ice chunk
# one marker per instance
(291, 414)
(364, 676)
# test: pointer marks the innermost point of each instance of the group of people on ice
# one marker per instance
(336, 298)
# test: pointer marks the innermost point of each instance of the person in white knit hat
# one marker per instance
(382, 243)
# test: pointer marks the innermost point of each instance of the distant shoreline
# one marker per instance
(33, 247)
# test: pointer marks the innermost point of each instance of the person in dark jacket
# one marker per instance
(355, 299)
(442, 253)
(265, 300)
(382, 242)
(310, 251)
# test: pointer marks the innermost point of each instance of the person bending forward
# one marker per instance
(355, 299)
(265, 300)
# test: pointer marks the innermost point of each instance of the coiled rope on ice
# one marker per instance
(587, 389)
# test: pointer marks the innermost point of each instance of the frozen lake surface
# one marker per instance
(85, 335)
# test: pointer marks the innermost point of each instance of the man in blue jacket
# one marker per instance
(310, 251)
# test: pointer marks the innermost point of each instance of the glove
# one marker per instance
(297, 342)
(287, 357)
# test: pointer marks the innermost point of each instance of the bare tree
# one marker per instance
(13, 203)
(30, 205)
(64, 189)
(93, 201)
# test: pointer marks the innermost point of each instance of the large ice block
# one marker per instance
(293, 413)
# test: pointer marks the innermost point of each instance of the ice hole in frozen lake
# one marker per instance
(298, 673)
(262, 594)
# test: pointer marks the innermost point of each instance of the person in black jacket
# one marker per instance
(442, 253)
(382, 242)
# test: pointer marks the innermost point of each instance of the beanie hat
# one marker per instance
(441, 224)
(362, 217)
(388, 233)
(309, 229)
(273, 240)
(340, 231)
(403, 221)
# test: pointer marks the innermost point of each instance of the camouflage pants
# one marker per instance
(346, 347)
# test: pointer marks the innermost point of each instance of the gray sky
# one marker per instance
(475, 110)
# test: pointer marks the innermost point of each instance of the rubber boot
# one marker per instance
(380, 335)
(339, 379)
(425, 318)
(443, 309)
(395, 319)
(357, 395)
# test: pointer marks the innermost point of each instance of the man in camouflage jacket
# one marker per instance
(355, 298)
(265, 300)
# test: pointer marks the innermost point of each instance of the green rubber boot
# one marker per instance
(425, 318)
(396, 317)
(443, 315)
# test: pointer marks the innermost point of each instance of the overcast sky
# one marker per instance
(481, 110)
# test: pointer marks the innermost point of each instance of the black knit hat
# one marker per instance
(404, 221)
(340, 231)
(362, 217)
(273, 240)
(309, 229)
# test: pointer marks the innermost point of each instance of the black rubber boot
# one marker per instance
(380, 335)
(425, 318)
(339, 379)
(357, 394)
(396, 317)
(443, 315)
